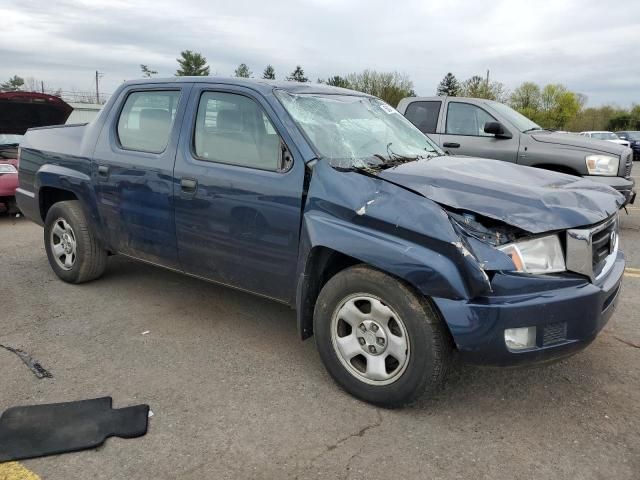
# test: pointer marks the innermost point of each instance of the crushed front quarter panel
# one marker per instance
(390, 228)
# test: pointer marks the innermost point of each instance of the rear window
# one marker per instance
(146, 119)
(424, 115)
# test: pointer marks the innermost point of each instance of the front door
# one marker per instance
(239, 184)
(133, 172)
(464, 134)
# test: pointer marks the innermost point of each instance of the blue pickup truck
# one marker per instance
(393, 254)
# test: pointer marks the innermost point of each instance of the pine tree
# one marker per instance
(338, 81)
(269, 73)
(146, 71)
(298, 75)
(192, 64)
(14, 84)
(449, 86)
(243, 71)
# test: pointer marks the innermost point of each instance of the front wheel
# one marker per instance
(74, 252)
(378, 339)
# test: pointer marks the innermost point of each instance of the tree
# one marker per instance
(298, 75)
(146, 71)
(242, 71)
(389, 86)
(557, 106)
(478, 87)
(269, 73)
(192, 64)
(526, 99)
(14, 84)
(449, 86)
(338, 81)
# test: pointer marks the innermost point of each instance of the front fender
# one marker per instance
(388, 227)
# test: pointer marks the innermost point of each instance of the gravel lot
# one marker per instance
(236, 394)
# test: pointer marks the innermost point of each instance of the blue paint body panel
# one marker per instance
(257, 230)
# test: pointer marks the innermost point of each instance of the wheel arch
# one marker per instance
(557, 168)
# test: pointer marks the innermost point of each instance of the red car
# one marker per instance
(18, 112)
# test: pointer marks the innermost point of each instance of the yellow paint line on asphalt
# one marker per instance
(634, 275)
(15, 471)
(632, 270)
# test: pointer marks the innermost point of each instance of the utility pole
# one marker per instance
(42, 85)
(487, 78)
(98, 75)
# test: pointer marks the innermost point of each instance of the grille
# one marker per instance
(602, 244)
(554, 333)
(592, 251)
(628, 165)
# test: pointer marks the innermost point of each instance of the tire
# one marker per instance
(12, 207)
(83, 258)
(384, 378)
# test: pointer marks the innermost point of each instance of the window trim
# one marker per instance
(446, 121)
(121, 109)
(415, 102)
(194, 126)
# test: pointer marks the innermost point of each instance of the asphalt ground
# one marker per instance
(236, 394)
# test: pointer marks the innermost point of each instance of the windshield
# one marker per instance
(635, 136)
(605, 136)
(518, 120)
(355, 131)
(7, 139)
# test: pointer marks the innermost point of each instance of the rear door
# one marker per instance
(132, 171)
(238, 202)
(462, 133)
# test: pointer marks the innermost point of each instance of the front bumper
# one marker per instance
(626, 186)
(567, 310)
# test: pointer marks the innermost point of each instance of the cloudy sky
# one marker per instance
(593, 47)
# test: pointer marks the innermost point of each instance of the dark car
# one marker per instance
(18, 112)
(633, 137)
(328, 200)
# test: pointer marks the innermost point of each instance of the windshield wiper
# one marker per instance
(9, 144)
(535, 129)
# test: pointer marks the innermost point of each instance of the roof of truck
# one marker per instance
(261, 85)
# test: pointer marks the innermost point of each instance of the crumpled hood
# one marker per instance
(578, 141)
(529, 198)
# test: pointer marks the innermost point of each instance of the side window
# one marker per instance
(424, 115)
(234, 129)
(467, 119)
(146, 119)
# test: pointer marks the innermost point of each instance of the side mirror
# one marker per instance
(497, 129)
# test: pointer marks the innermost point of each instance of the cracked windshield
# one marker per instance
(357, 132)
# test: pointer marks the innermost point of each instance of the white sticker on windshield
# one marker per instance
(388, 108)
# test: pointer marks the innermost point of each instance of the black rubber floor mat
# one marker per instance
(40, 430)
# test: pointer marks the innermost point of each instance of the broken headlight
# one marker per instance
(536, 255)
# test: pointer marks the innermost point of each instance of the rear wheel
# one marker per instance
(74, 252)
(378, 339)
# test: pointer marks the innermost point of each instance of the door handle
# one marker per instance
(103, 171)
(188, 185)
(451, 145)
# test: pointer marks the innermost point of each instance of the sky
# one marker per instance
(592, 47)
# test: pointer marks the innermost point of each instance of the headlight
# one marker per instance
(7, 168)
(538, 255)
(602, 164)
